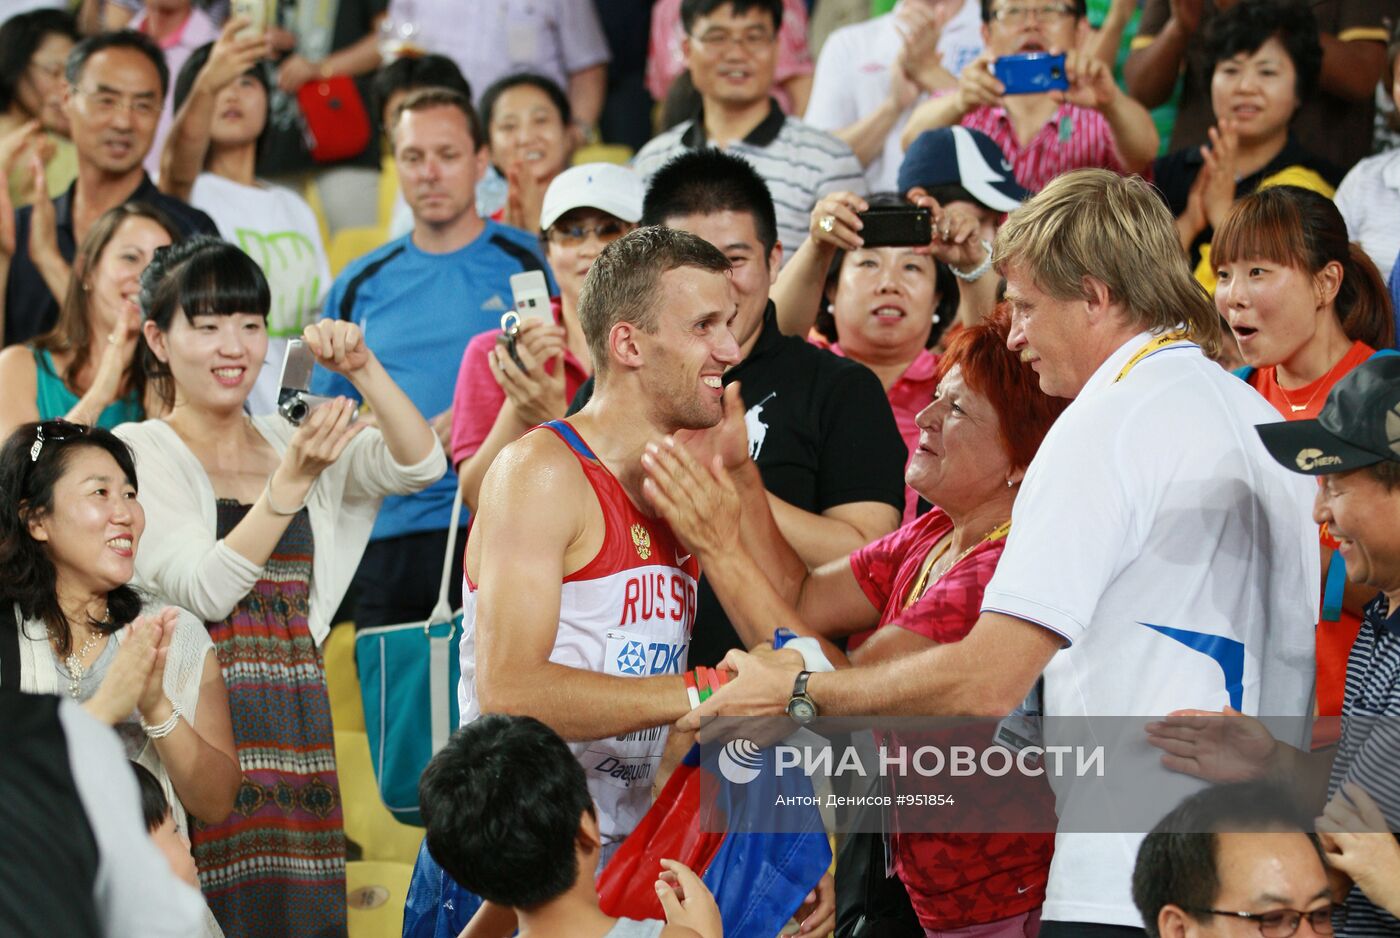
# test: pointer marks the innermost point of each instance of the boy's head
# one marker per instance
(508, 811)
(160, 824)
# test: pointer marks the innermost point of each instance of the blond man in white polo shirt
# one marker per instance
(1158, 557)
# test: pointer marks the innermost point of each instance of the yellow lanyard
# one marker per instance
(1156, 345)
(922, 584)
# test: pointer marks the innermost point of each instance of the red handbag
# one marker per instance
(337, 124)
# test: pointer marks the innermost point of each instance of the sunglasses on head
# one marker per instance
(54, 431)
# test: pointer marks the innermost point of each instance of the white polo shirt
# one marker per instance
(1179, 562)
(853, 77)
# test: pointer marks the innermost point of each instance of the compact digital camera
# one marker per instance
(294, 399)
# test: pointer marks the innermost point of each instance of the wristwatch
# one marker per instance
(801, 707)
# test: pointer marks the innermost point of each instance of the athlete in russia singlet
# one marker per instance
(628, 612)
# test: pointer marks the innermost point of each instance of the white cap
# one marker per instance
(607, 187)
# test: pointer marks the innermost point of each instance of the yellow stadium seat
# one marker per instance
(375, 893)
(388, 190)
(342, 682)
(603, 153)
(350, 243)
(367, 822)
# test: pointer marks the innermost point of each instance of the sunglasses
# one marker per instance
(571, 236)
(54, 431)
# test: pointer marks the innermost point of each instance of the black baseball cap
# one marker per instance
(1359, 425)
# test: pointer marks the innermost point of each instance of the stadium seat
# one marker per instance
(342, 683)
(367, 822)
(376, 892)
(350, 243)
(603, 153)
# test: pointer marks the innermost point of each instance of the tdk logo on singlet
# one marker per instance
(638, 660)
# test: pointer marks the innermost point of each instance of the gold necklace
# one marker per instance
(1322, 383)
(923, 582)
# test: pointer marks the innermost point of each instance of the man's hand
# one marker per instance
(1218, 191)
(1091, 83)
(977, 86)
(700, 503)
(294, 72)
(921, 26)
(43, 220)
(817, 914)
(1218, 747)
(729, 439)
(1359, 843)
(762, 686)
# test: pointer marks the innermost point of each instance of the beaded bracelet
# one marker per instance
(162, 730)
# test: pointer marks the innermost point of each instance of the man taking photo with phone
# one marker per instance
(1088, 122)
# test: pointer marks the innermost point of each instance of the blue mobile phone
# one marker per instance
(1031, 73)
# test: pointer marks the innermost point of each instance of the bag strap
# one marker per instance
(442, 612)
(9, 651)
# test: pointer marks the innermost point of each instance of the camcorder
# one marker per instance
(295, 402)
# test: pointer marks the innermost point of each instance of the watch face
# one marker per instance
(801, 710)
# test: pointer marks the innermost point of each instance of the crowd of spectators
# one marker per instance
(590, 279)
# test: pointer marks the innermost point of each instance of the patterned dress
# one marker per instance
(276, 866)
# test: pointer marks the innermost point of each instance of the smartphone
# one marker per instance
(897, 226)
(1031, 73)
(260, 13)
(531, 295)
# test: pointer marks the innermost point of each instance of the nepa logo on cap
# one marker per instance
(1309, 459)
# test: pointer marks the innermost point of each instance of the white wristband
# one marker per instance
(811, 651)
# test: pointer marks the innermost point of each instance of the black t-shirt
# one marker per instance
(1174, 174)
(48, 854)
(822, 433)
(30, 309)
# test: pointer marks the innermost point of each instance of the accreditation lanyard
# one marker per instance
(1166, 340)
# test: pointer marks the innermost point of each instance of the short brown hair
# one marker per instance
(425, 98)
(1304, 230)
(1115, 229)
(623, 285)
(1387, 473)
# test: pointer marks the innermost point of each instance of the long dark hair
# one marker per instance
(26, 492)
(202, 276)
(20, 38)
(1304, 230)
(73, 332)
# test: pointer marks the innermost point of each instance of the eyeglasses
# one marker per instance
(56, 431)
(106, 104)
(571, 236)
(1281, 923)
(1014, 15)
(718, 40)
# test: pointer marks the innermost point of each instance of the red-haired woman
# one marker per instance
(919, 586)
(1306, 306)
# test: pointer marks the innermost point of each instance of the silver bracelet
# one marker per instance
(975, 273)
(164, 729)
(272, 505)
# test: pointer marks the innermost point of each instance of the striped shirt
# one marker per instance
(1075, 138)
(799, 163)
(1370, 745)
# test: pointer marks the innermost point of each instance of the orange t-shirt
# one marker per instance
(1334, 639)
